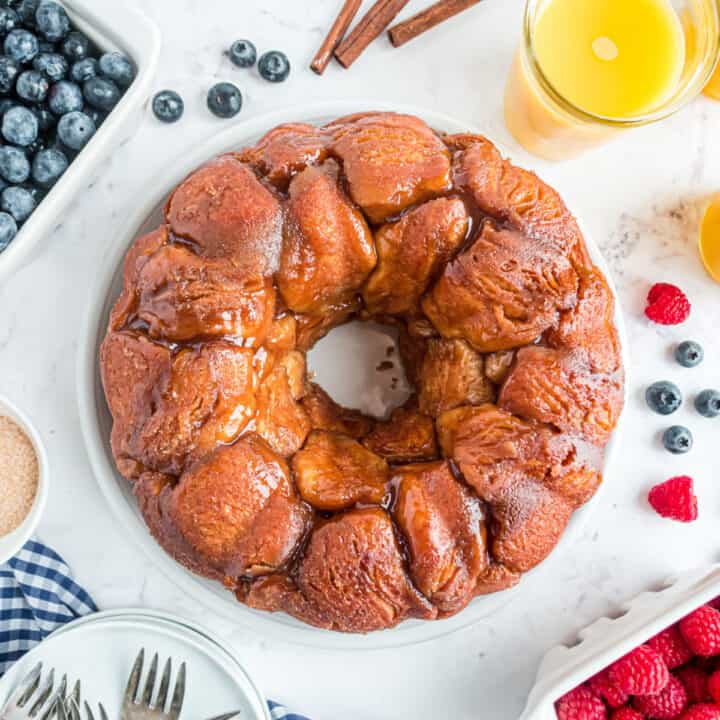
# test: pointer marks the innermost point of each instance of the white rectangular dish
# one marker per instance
(112, 26)
(607, 640)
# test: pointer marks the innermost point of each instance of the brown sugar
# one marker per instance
(18, 475)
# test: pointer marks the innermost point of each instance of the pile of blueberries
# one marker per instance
(225, 99)
(56, 89)
(664, 397)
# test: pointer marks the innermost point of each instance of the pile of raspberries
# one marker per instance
(674, 676)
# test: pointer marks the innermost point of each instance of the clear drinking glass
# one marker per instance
(548, 125)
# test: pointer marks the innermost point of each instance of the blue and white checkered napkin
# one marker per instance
(38, 595)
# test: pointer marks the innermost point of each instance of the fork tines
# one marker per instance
(42, 701)
(139, 704)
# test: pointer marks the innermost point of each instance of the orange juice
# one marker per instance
(710, 239)
(592, 67)
(614, 58)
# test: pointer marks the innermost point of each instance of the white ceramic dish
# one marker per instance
(10, 544)
(100, 650)
(96, 422)
(112, 26)
(564, 668)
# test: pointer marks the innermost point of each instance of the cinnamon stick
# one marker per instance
(375, 20)
(335, 35)
(425, 20)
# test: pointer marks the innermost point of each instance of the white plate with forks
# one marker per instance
(100, 650)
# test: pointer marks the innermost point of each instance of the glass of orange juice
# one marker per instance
(589, 69)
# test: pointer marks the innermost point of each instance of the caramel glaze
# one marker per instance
(248, 473)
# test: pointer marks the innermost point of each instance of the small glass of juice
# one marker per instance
(588, 69)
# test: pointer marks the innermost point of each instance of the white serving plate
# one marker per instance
(111, 26)
(11, 543)
(100, 650)
(96, 422)
(607, 640)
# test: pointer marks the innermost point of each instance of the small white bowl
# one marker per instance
(111, 26)
(11, 543)
(607, 640)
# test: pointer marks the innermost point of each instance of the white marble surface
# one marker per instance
(639, 198)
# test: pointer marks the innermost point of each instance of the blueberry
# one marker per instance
(97, 116)
(52, 65)
(48, 165)
(52, 20)
(242, 53)
(274, 66)
(6, 104)
(9, 20)
(9, 70)
(707, 403)
(689, 354)
(32, 86)
(83, 70)
(21, 46)
(663, 397)
(8, 230)
(14, 165)
(76, 46)
(118, 68)
(678, 440)
(20, 126)
(27, 10)
(46, 120)
(168, 106)
(75, 129)
(18, 202)
(224, 100)
(101, 93)
(65, 97)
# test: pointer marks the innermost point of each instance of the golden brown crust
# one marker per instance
(452, 374)
(408, 436)
(326, 414)
(335, 472)
(235, 512)
(353, 572)
(250, 474)
(503, 292)
(411, 251)
(444, 524)
(328, 250)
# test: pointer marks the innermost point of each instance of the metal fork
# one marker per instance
(34, 698)
(73, 703)
(140, 706)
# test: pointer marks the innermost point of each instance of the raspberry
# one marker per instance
(675, 499)
(671, 647)
(701, 630)
(641, 672)
(667, 304)
(695, 682)
(580, 704)
(715, 603)
(601, 685)
(627, 713)
(666, 705)
(703, 711)
(714, 686)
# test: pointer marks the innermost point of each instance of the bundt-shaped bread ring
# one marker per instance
(248, 473)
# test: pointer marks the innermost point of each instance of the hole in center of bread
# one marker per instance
(358, 364)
